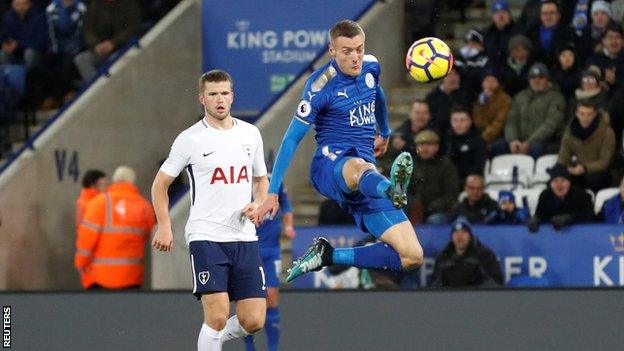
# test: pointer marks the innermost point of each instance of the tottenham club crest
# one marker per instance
(247, 149)
(370, 80)
(203, 277)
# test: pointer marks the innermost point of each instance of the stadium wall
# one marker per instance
(383, 25)
(359, 320)
(130, 117)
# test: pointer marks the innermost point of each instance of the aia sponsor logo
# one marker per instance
(231, 175)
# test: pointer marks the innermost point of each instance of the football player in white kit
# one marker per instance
(224, 159)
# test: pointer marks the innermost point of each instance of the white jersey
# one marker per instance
(220, 166)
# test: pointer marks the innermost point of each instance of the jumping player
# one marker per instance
(269, 239)
(224, 158)
(343, 101)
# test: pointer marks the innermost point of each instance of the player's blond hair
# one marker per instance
(215, 75)
(345, 28)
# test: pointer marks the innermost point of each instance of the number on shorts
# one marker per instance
(263, 278)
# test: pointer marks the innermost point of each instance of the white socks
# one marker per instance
(209, 339)
(233, 330)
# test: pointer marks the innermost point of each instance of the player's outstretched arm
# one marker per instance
(163, 239)
(381, 114)
(293, 136)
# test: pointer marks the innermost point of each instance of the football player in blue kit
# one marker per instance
(344, 103)
(269, 239)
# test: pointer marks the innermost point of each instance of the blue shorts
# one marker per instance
(372, 215)
(272, 267)
(232, 267)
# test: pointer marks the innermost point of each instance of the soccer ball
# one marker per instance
(429, 59)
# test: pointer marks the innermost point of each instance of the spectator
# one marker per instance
(491, 108)
(562, 203)
(24, 35)
(567, 72)
(477, 206)
(465, 261)
(612, 210)
(587, 147)
(94, 182)
(530, 16)
(65, 25)
(109, 25)
(591, 90)
(433, 187)
(497, 35)
(448, 94)
(471, 61)
(507, 211)
(551, 34)
(535, 116)
(616, 116)
(611, 59)
(419, 119)
(590, 39)
(465, 147)
(513, 71)
(112, 236)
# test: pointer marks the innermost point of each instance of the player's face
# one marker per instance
(349, 54)
(419, 115)
(427, 150)
(585, 115)
(460, 122)
(560, 186)
(217, 99)
(461, 239)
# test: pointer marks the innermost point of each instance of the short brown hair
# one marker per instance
(346, 28)
(215, 75)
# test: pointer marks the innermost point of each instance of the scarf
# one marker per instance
(583, 133)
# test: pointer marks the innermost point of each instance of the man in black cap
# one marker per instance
(465, 261)
(536, 115)
(562, 204)
(514, 69)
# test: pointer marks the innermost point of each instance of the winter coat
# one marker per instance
(567, 80)
(535, 115)
(595, 152)
(496, 41)
(577, 203)
(612, 210)
(65, 25)
(512, 81)
(440, 104)
(434, 183)
(468, 152)
(30, 33)
(478, 266)
(563, 36)
(491, 115)
(117, 20)
(483, 211)
(602, 60)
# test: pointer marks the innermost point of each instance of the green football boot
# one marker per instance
(400, 175)
(312, 260)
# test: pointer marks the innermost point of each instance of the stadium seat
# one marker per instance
(532, 196)
(602, 196)
(502, 171)
(541, 176)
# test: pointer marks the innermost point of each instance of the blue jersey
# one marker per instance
(270, 230)
(342, 109)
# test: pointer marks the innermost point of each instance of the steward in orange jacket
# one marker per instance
(112, 236)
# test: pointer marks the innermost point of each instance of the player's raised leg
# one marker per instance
(216, 308)
(400, 248)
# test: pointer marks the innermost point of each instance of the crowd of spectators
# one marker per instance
(549, 82)
(60, 44)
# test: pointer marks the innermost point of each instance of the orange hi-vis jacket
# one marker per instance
(86, 195)
(112, 236)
